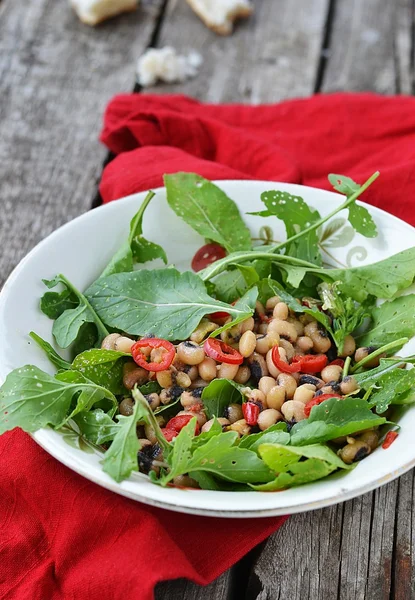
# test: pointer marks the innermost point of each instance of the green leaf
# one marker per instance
(181, 454)
(393, 388)
(219, 394)
(249, 299)
(317, 461)
(297, 216)
(344, 185)
(121, 458)
(53, 304)
(208, 210)
(230, 285)
(162, 302)
(334, 418)
(276, 434)
(136, 248)
(362, 221)
(31, 399)
(382, 279)
(96, 426)
(67, 326)
(103, 367)
(50, 352)
(391, 321)
(368, 378)
(87, 338)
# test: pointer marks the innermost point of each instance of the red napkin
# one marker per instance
(62, 537)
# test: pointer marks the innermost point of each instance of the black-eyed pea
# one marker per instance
(188, 399)
(304, 343)
(349, 346)
(259, 308)
(321, 341)
(234, 413)
(297, 324)
(184, 481)
(247, 325)
(258, 366)
(304, 393)
(268, 417)
(123, 344)
(363, 352)
(272, 302)
(331, 388)
(241, 427)
(305, 319)
(265, 384)
(288, 347)
(192, 371)
(348, 385)
(310, 328)
(247, 343)
(227, 371)
(331, 373)
(165, 378)
(370, 437)
(288, 382)
(150, 434)
(273, 370)
(354, 451)
(153, 400)
(256, 396)
(183, 380)
(190, 353)
(108, 343)
(276, 397)
(243, 375)
(208, 425)
(293, 410)
(204, 328)
(311, 379)
(263, 329)
(232, 335)
(199, 384)
(280, 311)
(143, 442)
(133, 375)
(283, 329)
(126, 407)
(207, 369)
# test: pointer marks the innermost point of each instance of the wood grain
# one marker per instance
(56, 76)
(273, 55)
(181, 589)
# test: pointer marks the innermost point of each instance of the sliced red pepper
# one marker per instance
(281, 364)
(207, 255)
(310, 363)
(179, 421)
(339, 362)
(169, 434)
(250, 412)
(316, 401)
(221, 352)
(219, 316)
(141, 359)
(389, 439)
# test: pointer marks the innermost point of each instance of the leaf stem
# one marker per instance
(136, 223)
(346, 366)
(378, 352)
(320, 222)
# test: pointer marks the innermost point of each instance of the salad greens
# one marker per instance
(88, 392)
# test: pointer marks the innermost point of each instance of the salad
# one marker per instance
(261, 368)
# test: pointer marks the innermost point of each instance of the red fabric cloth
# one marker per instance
(297, 141)
(64, 538)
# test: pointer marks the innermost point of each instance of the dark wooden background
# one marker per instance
(56, 76)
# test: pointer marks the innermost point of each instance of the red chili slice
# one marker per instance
(141, 359)
(316, 401)
(207, 255)
(281, 364)
(169, 434)
(311, 363)
(250, 412)
(222, 352)
(389, 439)
(179, 421)
(339, 362)
(219, 316)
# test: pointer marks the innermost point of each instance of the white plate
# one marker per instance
(82, 248)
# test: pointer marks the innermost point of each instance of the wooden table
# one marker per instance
(56, 77)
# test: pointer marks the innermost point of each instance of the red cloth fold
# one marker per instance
(64, 538)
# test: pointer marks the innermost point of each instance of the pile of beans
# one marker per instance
(280, 396)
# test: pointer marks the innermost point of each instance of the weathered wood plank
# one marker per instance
(370, 47)
(181, 589)
(273, 55)
(56, 75)
(403, 567)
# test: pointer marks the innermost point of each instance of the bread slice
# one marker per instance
(220, 15)
(92, 12)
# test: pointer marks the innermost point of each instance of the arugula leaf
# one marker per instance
(103, 367)
(68, 324)
(136, 248)
(249, 299)
(359, 216)
(85, 340)
(208, 210)
(276, 434)
(219, 394)
(31, 399)
(205, 480)
(395, 387)
(53, 304)
(391, 321)
(230, 285)
(334, 418)
(50, 352)
(163, 302)
(181, 453)
(96, 426)
(219, 456)
(121, 458)
(296, 215)
(368, 378)
(319, 462)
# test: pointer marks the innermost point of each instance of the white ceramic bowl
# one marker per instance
(82, 248)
